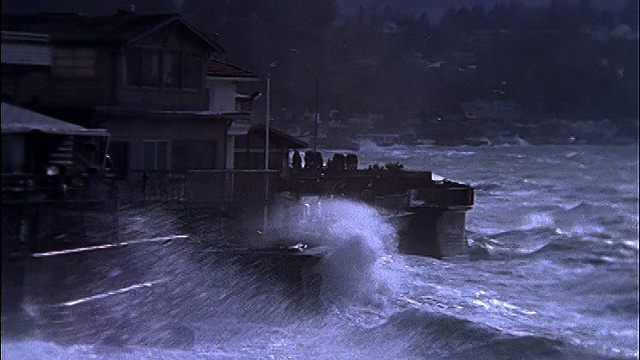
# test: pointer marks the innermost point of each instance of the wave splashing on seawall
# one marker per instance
(557, 277)
(359, 241)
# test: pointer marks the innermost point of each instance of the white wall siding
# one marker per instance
(26, 54)
(222, 95)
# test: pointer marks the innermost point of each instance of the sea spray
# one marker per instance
(357, 269)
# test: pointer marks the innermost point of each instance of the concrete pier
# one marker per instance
(434, 232)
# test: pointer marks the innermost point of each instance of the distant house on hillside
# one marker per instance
(365, 123)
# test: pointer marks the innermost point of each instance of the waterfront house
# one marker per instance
(152, 81)
(139, 76)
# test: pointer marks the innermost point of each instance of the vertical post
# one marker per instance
(317, 119)
(114, 196)
(267, 123)
(266, 139)
(266, 155)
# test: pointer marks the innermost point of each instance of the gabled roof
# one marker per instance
(17, 120)
(120, 29)
(217, 68)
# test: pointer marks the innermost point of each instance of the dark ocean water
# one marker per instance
(551, 273)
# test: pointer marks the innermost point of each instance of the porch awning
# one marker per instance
(17, 120)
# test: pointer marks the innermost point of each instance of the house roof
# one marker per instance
(21, 48)
(239, 128)
(120, 29)
(278, 137)
(217, 68)
(18, 120)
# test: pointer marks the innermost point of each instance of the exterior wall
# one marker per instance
(41, 86)
(253, 159)
(24, 87)
(222, 95)
(204, 139)
(230, 152)
(249, 153)
(97, 90)
(14, 153)
(159, 99)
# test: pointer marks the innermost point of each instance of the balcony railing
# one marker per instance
(43, 188)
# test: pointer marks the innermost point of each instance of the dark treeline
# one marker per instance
(566, 58)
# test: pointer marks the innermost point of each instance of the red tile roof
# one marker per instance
(219, 68)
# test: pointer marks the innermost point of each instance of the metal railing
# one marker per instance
(200, 186)
(57, 188)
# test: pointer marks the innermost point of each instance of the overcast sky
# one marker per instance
(433, 8)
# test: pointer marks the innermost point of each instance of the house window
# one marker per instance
(143, 67)
(243, 104)
(132, 57)
(191, 70)
(172, 69)
(169, 69)
(150, 71)
(74, 62)
(155, 155)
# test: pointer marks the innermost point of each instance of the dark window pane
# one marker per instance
(171, 69)
(161, 155)
(192, 70)
(149, 155)
(150, 68)
(73, 62)
(132, 59)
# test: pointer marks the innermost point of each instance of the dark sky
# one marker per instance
(433, 8)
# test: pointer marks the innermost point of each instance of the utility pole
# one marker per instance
(266, 153)
(317, 119)
(267, 123)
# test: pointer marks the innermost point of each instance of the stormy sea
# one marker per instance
(551, 273)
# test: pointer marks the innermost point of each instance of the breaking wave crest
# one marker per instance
(417, 333)
(358, 240)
